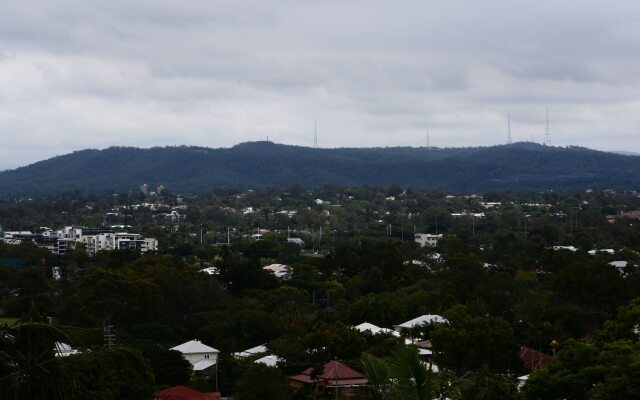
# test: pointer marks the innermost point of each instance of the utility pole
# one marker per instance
(473, 225)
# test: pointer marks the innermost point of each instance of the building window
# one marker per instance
(206, 356)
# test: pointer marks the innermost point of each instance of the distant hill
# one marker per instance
(519, 166)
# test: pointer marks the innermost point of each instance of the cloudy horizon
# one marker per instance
(88, 74)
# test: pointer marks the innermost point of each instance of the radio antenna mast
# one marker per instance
(508, 129)
(547, 135)
(315, 134)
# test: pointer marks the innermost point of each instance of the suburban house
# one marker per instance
(202, 357)
(63, 349)
(280, 271)
(185, 393)
(269, 361)
(533, 359)
(374, 329)
(254, 351)
(335, 376)
(296, 240)
(419, 321)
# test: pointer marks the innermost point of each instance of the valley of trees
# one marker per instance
(495, 276)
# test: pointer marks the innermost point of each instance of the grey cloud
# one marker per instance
(76, 74)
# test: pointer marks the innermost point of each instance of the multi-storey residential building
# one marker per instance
(94, 239)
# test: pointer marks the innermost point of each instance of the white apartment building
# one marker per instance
(427, 239)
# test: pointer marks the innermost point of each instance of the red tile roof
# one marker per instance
(185, 393)
(335, 374)
(533, 359)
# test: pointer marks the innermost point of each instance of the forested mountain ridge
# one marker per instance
(519, 166)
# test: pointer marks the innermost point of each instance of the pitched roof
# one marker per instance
(423, 319)
(194, 347)
(252, 351)
(374, 329)
(185, 393)
(304, 376)
(533, 359)
(334, 370)
(270, 360)
(334, 374)
(202, 365)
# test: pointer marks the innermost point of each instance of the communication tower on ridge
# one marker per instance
(547, 134)
(315, 134)
(428, 141)
(508, 129)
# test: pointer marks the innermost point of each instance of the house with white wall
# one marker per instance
(195, 351)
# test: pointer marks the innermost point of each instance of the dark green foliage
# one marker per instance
(486, 385)
(28, 366)
(471, 342)
(587, 371)
(169, 367)
(521, 166)
(499, 282)
(260, 382)
(116, 373)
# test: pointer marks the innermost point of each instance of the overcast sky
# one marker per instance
(93, 74)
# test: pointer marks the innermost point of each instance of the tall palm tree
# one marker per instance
(29, 368)
(403, 376)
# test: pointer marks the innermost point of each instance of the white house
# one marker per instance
(421, 320)
(195, 351)
(281, 271)
(63, 349)
(269, 361)
(374, 329)
(211, 271)
(296, 240)
(427, 239)
(251, 352)
(594, 251)
(570, 248)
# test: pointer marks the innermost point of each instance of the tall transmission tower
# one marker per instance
(428, 141)
(508, 129)
(109, 333)
(315, 134)
(547, 134)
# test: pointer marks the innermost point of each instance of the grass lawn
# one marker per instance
(7, 320)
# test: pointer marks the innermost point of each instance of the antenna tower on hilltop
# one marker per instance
(547, 134)
(315, 134)
(508, 129)
(428, 140)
